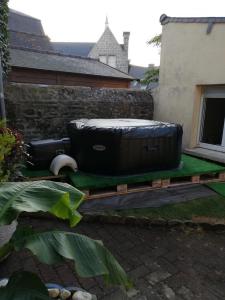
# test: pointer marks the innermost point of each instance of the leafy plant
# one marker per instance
(91, 258)
(156, 40)
(4, 51)
(152, 75)
(59, 199)
(11, 152)
(23, 285)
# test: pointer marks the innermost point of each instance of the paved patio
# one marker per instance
(163, 263)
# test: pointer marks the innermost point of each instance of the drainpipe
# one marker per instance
(2, 101)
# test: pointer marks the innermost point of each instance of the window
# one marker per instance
(112, 61)
(103, 59)
(212, 119)
(109, 60)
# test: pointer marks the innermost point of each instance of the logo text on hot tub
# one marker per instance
(99, 147)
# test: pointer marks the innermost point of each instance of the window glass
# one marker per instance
(213, 121)
(103, 59)
(112, 61)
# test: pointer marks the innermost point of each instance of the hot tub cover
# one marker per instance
(125, 146)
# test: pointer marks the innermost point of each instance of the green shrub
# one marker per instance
(11, 152)
(4, 50)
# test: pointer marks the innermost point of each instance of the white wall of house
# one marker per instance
(189, 57)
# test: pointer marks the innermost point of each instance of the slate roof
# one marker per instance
(137, 72)
(27, 32)
(31, 41)
(23, 23)
(21, 13)
(74, 48)
(164, 19)
(71, 48)
(57, 62)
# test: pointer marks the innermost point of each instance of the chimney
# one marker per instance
(151, 66)
(126, 36)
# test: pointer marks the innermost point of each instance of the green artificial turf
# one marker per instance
(35, 173)
(43, 173)
(191, 166)
(213, 207)
(218, 187)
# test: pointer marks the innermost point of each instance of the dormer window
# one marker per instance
(103, 59)
(109, 60)
(112, 61)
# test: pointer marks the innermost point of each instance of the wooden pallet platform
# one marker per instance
(51, 177)
(151, 185)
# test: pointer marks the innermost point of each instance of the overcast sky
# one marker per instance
(83, 20)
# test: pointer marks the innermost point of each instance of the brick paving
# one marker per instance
(164, 263)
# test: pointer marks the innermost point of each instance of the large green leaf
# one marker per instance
(24, 286)
(59, 199)
(90, 256)
(5, 250)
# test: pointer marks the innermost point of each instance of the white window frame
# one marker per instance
(108, 57)
(107, 60)
(210, 94)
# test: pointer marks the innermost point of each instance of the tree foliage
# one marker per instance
(4, 51)
(152, 75)
(156, 40)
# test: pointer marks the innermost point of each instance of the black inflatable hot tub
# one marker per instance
(124, 146)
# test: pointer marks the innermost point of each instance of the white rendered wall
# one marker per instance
(189, 57)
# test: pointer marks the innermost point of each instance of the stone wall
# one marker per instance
(44, 111)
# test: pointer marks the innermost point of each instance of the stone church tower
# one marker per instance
(110, 52)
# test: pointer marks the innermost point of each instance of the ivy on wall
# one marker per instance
(4, 51)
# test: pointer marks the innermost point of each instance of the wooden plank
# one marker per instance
(25, 75)
(210, 180)
(195, 179)
(121, 188)
(101, 195)
(151, 198)
(140, 188)
(86, 192)
(134, 189)
(179, 183)
(165, 183)
(45, 178)
(157, 183)
(222, 176)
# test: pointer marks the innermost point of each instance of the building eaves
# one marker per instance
(73, 48)
(27, 58)
(164, 19)
(28, 40)
(21, 14)
(137, 72)
(23, 23)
